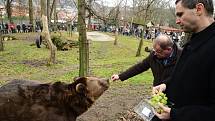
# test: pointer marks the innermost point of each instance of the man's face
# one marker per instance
(186, 18)
(161, 53)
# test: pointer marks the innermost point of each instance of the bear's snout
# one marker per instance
(105, 83)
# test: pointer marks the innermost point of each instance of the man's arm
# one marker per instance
(136, 69)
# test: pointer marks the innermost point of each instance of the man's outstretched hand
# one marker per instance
(114, 77)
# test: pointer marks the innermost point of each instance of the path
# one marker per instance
(97, 36)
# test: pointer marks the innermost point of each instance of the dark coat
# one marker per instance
(192, 86)
(160, 70)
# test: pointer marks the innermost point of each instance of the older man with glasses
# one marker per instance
(161, 61)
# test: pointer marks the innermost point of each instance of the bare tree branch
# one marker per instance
(107, 18)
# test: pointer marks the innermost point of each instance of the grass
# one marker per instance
(19, 60)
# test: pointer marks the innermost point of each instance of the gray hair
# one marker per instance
(164, 41)
(192, 4)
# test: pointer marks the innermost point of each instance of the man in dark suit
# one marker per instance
(191, 87)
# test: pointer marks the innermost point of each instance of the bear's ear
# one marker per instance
(80, 88)
(76, 78)
(79, 78)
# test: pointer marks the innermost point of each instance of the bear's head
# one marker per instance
(91, 87)
(79, 95)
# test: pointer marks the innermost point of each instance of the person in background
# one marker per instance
(191, 87)
(18, 27)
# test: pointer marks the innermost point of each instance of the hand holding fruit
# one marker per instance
(159, 98)
(159, 88)
(159, 102)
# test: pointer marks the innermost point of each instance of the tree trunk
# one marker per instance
(31, 17)
(1, 43)
(116, 36)
(83, 42)
(149, 3)
(89, 26)
(9, 10)
(55, 16)
(46, 34)
(89, 23)
(70, 30)
(48, 12)
(140, 44)
(52, 8)
(117, 25)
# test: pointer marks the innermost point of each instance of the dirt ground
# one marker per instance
(117, 104)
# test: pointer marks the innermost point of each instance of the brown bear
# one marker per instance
(22, 100)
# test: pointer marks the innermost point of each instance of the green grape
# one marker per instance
(165, 98)
(163, 101)
(156, 99)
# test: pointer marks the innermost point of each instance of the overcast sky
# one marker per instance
(113, 3)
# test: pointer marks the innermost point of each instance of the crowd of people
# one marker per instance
(7, 28)
(150, 33)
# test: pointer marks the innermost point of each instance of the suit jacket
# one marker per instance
(192, 86)
(161, 71)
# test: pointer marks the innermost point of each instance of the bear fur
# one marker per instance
(22, 100)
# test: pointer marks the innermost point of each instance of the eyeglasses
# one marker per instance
(160, 51)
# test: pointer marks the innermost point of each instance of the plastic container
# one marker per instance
(145, 110)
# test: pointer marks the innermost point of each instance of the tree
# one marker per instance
(83, 42)
(46, 33)
(52, 7)
(31, 14)
(48, 12)
(1, 43)
(8, 7)
(55, 15)
(116, 25)
(90, 14)
(53, 10)
(149, 3)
